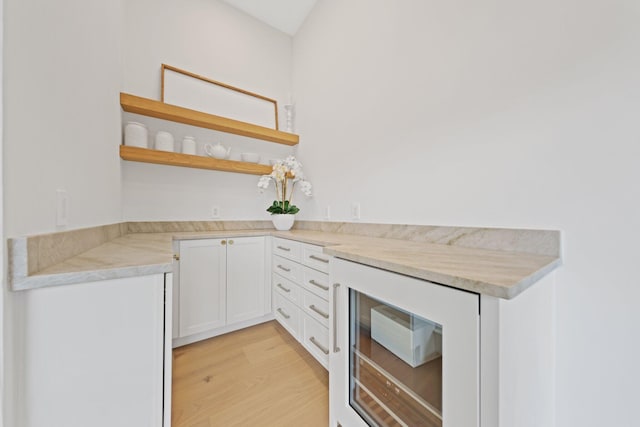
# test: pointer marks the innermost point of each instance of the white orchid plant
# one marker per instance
(286, 175)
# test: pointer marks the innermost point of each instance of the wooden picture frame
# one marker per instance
(226, 100)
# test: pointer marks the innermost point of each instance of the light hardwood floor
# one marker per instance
(259, 376)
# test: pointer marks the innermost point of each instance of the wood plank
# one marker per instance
(259, 376)
(146, 155)
(160, 110)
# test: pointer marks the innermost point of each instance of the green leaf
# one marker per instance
(293, 209)
(279, 207)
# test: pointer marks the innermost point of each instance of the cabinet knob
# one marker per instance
(223, 242)
(231, 242)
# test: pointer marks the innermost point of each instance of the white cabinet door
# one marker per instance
(245, 278)
(168, 359)
(203, 271)
(92, 354)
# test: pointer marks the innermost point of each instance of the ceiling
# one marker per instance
(284, 15)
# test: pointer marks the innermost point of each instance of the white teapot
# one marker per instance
(217, 151)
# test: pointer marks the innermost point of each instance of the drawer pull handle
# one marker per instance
(317, 310)
(323, 287)
(284, 268)
(317, 258)
(317, 344)
(283, 248)
(283, 288)
(285, 315)
(336, 349)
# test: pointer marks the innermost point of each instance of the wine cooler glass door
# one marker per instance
(395, 364)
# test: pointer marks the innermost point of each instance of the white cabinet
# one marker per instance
(222, 286)
(245, 278)
(300, 283)
(203, 285)
(94, 354)
(404, 351)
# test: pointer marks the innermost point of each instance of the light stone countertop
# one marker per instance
(497, 273)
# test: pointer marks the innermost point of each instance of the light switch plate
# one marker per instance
(62, 208)
(355, 211)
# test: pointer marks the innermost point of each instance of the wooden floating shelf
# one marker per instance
(146, 155)
(160, 110)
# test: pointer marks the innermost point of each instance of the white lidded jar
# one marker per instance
(164, 141)
(189, 145)
(136, 135)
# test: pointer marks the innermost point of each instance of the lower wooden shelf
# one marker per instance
(146, 155)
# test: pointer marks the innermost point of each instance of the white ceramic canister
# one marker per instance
(164, 141)
(136, 135)
(189, 145)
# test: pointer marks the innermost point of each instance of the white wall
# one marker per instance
(212, 39)
(66, 63)
(62, 74)
(3, 298)
(513, 114)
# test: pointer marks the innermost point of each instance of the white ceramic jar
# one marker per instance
(136, 135)
(164, 141)
(189, 145)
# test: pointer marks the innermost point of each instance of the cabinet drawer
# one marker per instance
(316, 339)
(313, 257)
(315, 307)
(315, 282)
(287, 314)
(286, 268)
(286, 288)
(287, 248)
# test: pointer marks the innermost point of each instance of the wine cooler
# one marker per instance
(405, 351)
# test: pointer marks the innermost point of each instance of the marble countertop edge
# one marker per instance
(218, 234)
(528, 281)
(503, 291)
(501, 274)
(39, 281)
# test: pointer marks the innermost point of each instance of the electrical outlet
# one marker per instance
(62, 208)
(215, 211)
(355, 211)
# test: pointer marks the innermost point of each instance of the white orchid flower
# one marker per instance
(305, 187)
(286, 174)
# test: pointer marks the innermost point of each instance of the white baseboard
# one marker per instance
(179, 342)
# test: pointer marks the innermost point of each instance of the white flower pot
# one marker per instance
(283, 222)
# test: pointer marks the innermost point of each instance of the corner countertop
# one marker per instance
(501, 274)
